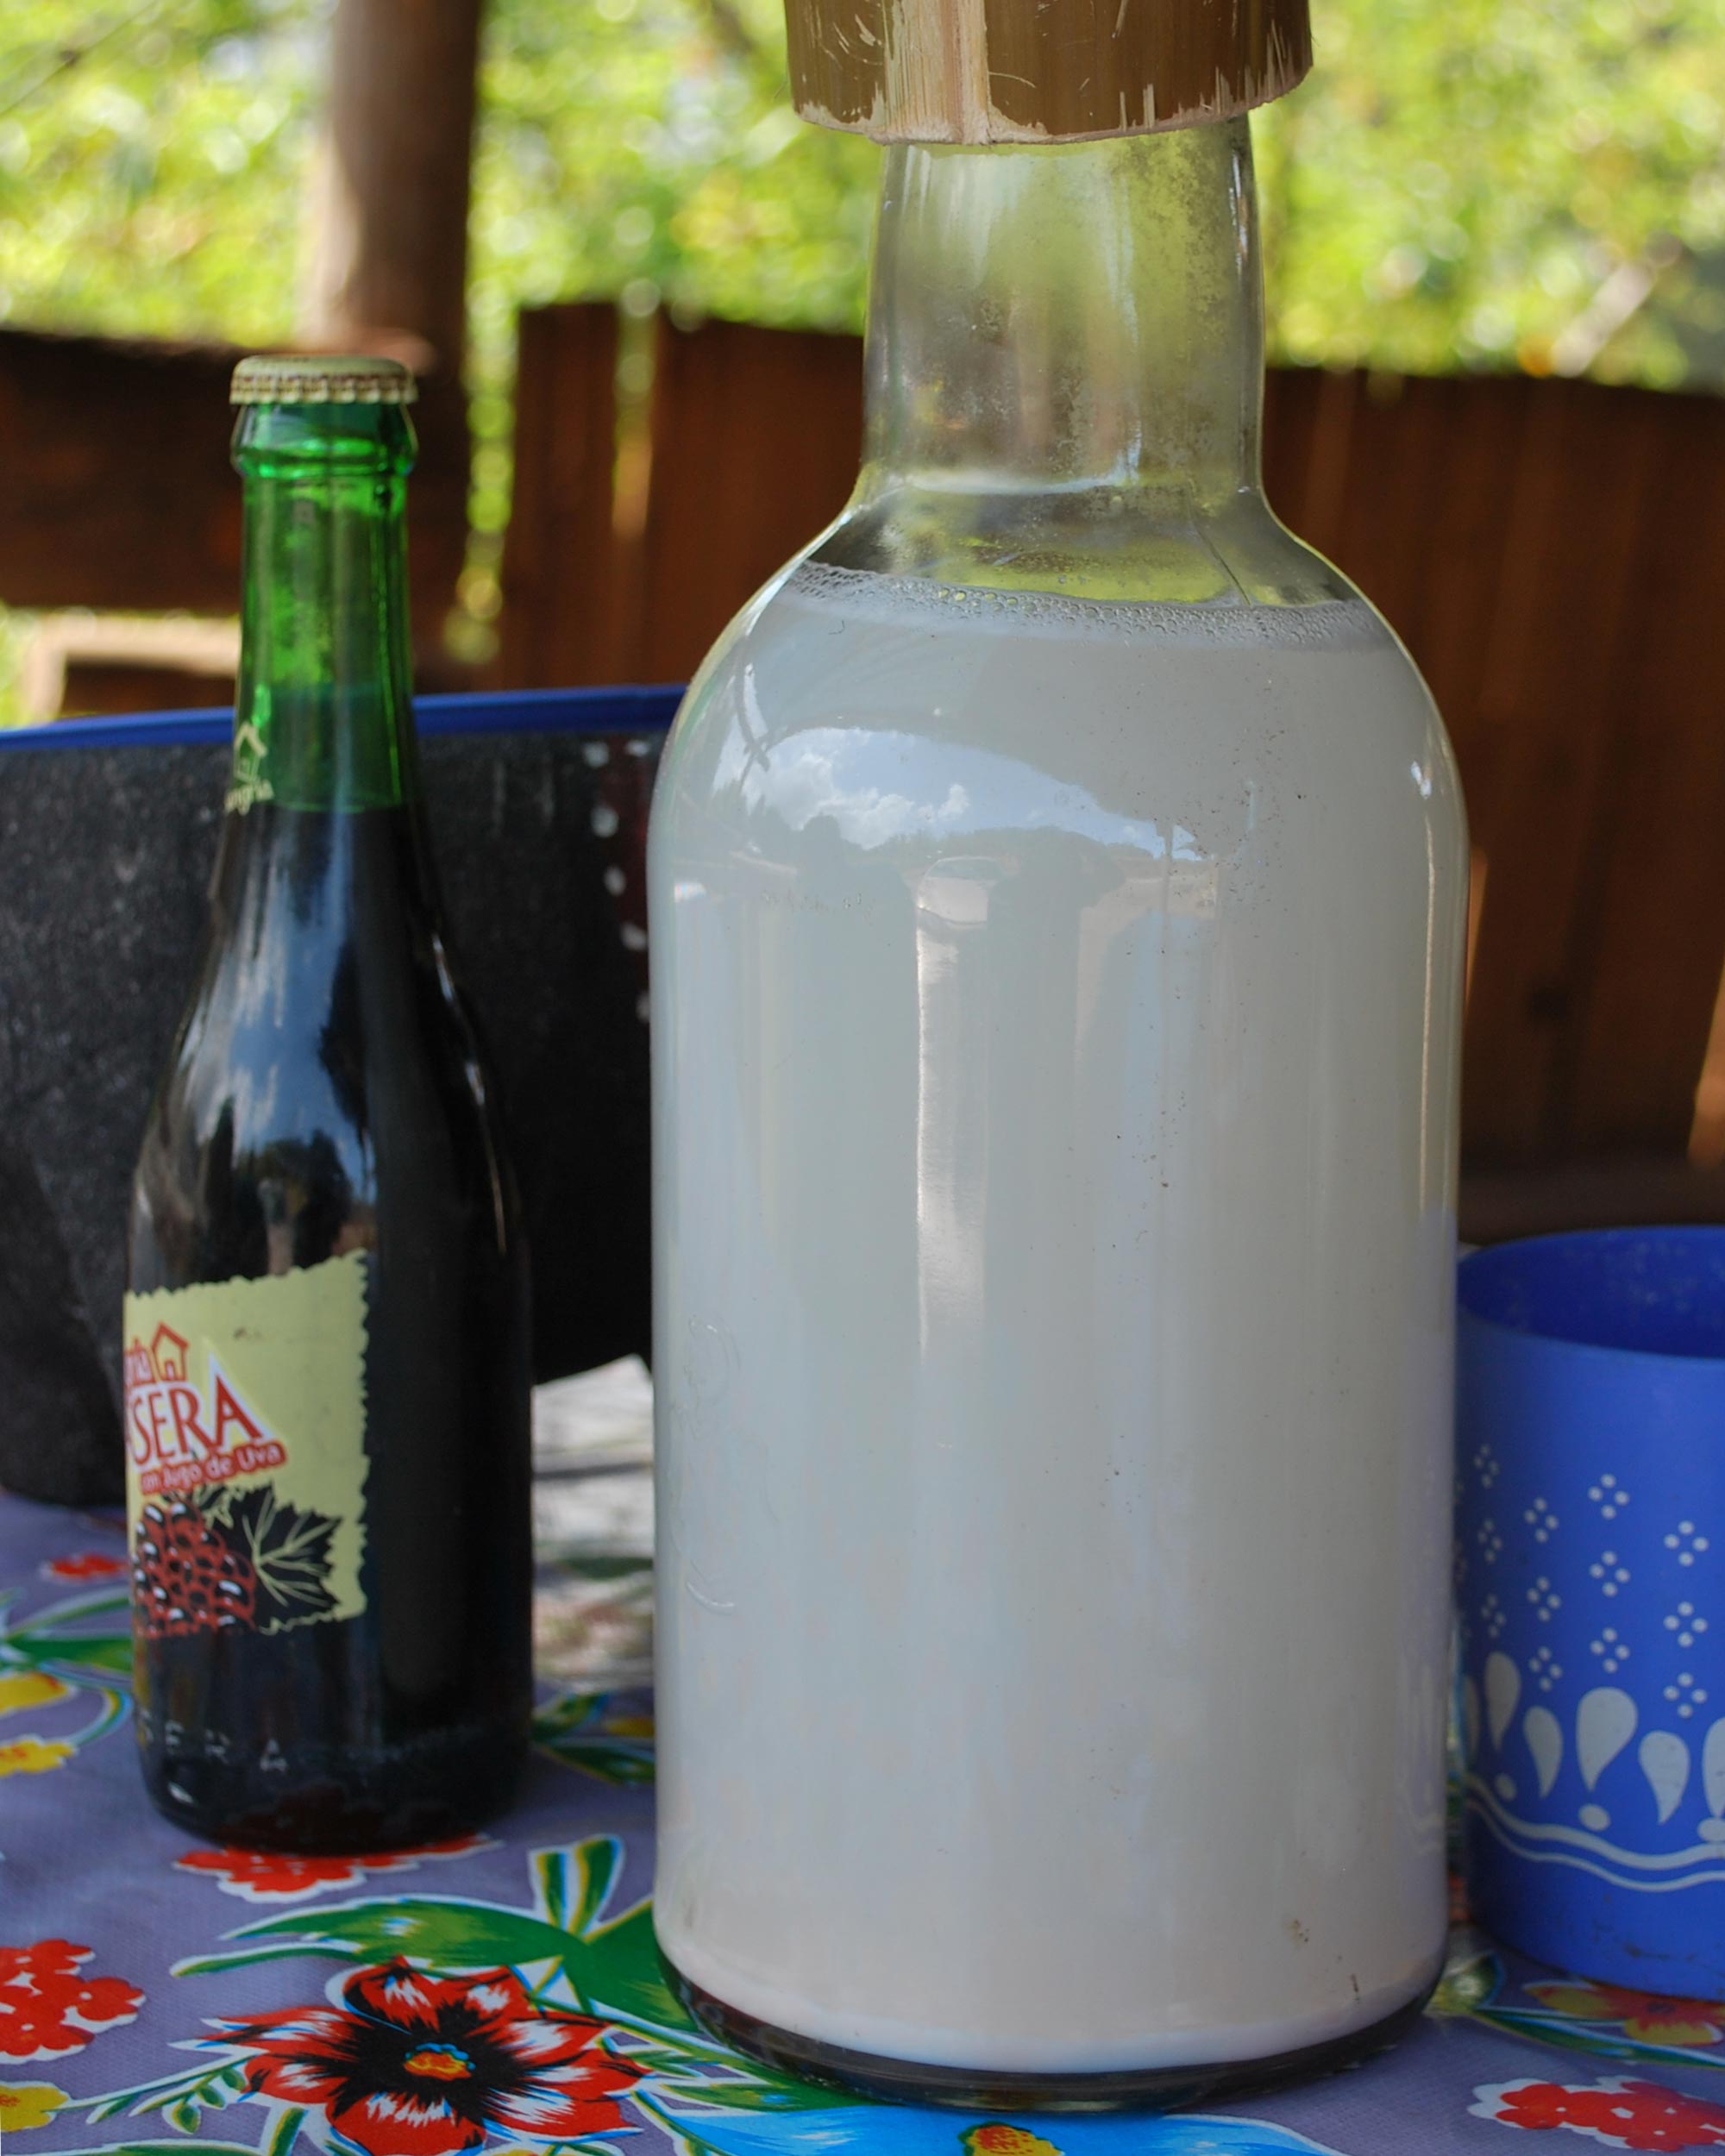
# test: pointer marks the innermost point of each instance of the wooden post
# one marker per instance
(389, 251)
(565, 605)
(390, 214)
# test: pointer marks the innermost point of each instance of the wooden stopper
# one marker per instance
(1039, 71)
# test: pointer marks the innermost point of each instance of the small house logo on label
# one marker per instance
(180, 1435)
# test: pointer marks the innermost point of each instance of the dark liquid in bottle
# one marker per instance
(326, 1094)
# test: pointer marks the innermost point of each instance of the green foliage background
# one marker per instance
(1452, 186)
(1478, 182)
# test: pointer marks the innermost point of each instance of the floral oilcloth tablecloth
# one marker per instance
(501, 1992)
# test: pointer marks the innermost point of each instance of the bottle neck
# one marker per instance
(324, 715)
(1066, 365)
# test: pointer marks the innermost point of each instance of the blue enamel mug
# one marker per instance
(1591, 1591)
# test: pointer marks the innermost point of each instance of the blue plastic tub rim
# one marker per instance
(1655, 1291)
(626, 710)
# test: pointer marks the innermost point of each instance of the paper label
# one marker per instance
(245, 1450)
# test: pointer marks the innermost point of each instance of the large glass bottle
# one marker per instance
(1058, 885)
(326, 1321)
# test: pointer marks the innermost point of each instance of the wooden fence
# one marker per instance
(1552, 552)
(116, 491)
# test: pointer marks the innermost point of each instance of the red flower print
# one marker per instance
(260, 1875)
(46, 2009)
(412, 2064)
(87, 1564)
(1615, 2114)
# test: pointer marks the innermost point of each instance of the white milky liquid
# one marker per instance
(1054, 1011)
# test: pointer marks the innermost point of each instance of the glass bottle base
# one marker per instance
(1161, 2088)
(343, 1804)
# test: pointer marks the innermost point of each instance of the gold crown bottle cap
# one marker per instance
(321, 378)
(1039, 71)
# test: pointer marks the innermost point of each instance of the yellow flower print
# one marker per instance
(24, 2104)
(35, 1755)
(30, 1688)
(1650, 2019)
(998, 2138)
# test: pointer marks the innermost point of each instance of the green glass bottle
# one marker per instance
(327, 1368)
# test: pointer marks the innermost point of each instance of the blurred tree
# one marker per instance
(1498, 181)
(151, 163)
(1540, 181)
(1489, 182)
(651, 153)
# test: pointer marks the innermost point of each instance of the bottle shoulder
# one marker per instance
(1157, 543)
(826, 650)
(326, 1081)
(853, 714)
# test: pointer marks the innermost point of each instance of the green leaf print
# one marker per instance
(1563, 2034)
(613, 1966)
(584, 1730)
(111, 1651)
(1473, 1977)
(162, 2148)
